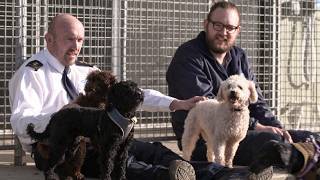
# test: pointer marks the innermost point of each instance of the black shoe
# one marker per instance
(236, 173)
(265, 174)
(181, 170)
(243, 173)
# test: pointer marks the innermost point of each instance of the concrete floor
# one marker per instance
(10, 172)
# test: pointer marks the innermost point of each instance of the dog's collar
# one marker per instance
(237, 109)
(125, 124)
(240, 109)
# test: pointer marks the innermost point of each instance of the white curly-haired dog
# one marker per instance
(222, 122)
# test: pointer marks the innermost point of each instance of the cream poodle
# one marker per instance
(222, 122)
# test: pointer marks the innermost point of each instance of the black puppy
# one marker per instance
(110, 130)
(301, 159)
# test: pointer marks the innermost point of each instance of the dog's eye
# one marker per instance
(240, 87)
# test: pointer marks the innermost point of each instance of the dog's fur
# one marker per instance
(222, 122)
(287, 156)
(67, 124)
(96, 89)
(280, 154)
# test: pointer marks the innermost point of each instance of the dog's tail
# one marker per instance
(34, 135)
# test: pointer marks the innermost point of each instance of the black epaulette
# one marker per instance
(83, 63)
(35, 64)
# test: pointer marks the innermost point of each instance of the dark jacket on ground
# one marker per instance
(193, 71)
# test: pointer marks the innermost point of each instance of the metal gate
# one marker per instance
(137, 38)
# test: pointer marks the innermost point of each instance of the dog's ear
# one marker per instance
(253, 92)
(219, 96)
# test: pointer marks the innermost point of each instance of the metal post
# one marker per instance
(21, 32)
(21, 51)
(275, 63)
(116, 64)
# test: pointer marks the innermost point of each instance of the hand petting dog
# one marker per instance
(185, 104)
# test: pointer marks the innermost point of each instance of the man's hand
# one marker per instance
(282, 132)
(185, 104)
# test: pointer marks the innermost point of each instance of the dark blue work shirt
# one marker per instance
(193, 71)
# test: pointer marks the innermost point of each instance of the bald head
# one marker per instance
(62, 20)
(64, 38)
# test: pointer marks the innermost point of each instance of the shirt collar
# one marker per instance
(227, 59)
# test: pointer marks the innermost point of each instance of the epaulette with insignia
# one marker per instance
(35, 64)
(83, 63)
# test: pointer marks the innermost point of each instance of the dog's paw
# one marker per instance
(79, 176)
(50, 175)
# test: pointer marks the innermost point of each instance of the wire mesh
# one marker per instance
(136, 40)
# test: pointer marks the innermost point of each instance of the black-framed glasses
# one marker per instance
(218, 26)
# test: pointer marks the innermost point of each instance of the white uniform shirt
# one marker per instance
(36, 94)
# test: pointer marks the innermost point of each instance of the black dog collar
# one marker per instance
(123, 123)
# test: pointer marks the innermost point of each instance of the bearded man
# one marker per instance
(201, 64)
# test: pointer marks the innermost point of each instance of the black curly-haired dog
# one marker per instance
(96, 89)
(110, 130)
(300, 159)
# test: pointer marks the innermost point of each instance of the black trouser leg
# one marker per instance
(153, 153)
(147, 161)
(301, 135)
(250, 146)
(247, 149)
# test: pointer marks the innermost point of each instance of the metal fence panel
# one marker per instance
(136, 39)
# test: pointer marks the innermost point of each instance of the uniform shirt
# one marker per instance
(193, 71)
(36, 92)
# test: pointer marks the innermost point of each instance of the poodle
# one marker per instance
(110, 130)
(222, 122)
(96, 88)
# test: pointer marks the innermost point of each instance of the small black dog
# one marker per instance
(110, 136)
(96, 91)
(301, 159)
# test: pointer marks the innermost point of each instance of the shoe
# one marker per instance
(181, 170)
(265, 174)
(236, 173)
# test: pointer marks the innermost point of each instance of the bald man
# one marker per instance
(36, 92)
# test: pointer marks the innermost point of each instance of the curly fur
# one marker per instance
(67, 124)
(222, 122)
(96, 90)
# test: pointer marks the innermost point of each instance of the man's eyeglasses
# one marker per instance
(218, 26)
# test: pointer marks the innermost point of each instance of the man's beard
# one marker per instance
(219, 49)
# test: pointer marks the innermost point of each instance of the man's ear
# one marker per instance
(49, 38)
(205, 25)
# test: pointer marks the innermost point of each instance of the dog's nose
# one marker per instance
(232, 94)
